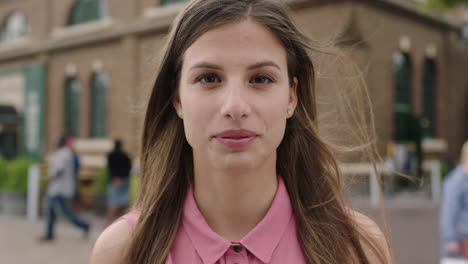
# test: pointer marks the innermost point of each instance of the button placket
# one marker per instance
(237, 254)
(237, 248)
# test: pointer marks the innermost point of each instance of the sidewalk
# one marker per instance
(19, 242)
(413, 225)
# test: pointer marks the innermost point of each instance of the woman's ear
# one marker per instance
(176, 104)
(292, 103)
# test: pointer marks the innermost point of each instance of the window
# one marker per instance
(86, 11)
(72, 106)
(168, 2)
(9, 122)
(429, 97)
(464, 26)
(98, 109)
(402, 105)
(14, 27)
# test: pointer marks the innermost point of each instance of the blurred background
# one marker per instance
(84, 68)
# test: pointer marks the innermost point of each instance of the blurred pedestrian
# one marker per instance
(61, 189)
(454, 210)
(76, 172)
(118, 168)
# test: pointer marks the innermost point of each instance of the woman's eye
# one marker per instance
(208, 78)
(262, 79)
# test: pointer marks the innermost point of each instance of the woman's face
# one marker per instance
(234, 95)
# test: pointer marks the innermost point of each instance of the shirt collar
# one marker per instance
(260, 241)
(208, 244)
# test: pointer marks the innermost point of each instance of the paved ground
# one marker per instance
(19, 242)
(413, 228)
(412, 222)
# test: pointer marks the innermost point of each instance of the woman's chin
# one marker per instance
(237, 163)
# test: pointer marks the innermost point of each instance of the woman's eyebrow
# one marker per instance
(206, 65)
(263, 64)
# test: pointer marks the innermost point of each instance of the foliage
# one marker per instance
(133, 186)
(100, 186)
(3, 164)
(443, 4)
(16, 175)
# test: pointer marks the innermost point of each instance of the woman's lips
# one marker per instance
(236, 138)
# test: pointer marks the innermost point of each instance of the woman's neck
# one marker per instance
(233, 204)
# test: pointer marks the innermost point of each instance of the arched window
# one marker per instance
(14, 27)
(84, 11)
(98, 109)
(168, 2)
(429, 96)
(72, 106)
(402, 104)
(10, 122)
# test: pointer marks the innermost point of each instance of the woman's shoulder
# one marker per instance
(366, 223)
(112, 243)
(374, 241)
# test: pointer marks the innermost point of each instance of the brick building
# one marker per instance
(85, 67)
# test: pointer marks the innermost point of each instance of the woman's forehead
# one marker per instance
(242, 42)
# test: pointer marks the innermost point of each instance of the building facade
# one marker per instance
(85, 67)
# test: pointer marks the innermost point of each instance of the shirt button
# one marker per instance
(237, 248)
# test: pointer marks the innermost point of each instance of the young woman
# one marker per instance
(234, 169)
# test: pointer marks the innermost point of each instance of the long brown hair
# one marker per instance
(326, 231)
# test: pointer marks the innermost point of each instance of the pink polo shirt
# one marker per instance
(273, 240)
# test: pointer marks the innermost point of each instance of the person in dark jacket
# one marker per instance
(118, 167)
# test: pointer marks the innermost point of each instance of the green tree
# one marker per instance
(443, 4)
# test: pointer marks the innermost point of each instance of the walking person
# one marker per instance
(118, 167)
(60, 191)
(233, 166)
(454, 210)
(76, 199)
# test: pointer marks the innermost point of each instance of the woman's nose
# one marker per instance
(235, 104)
